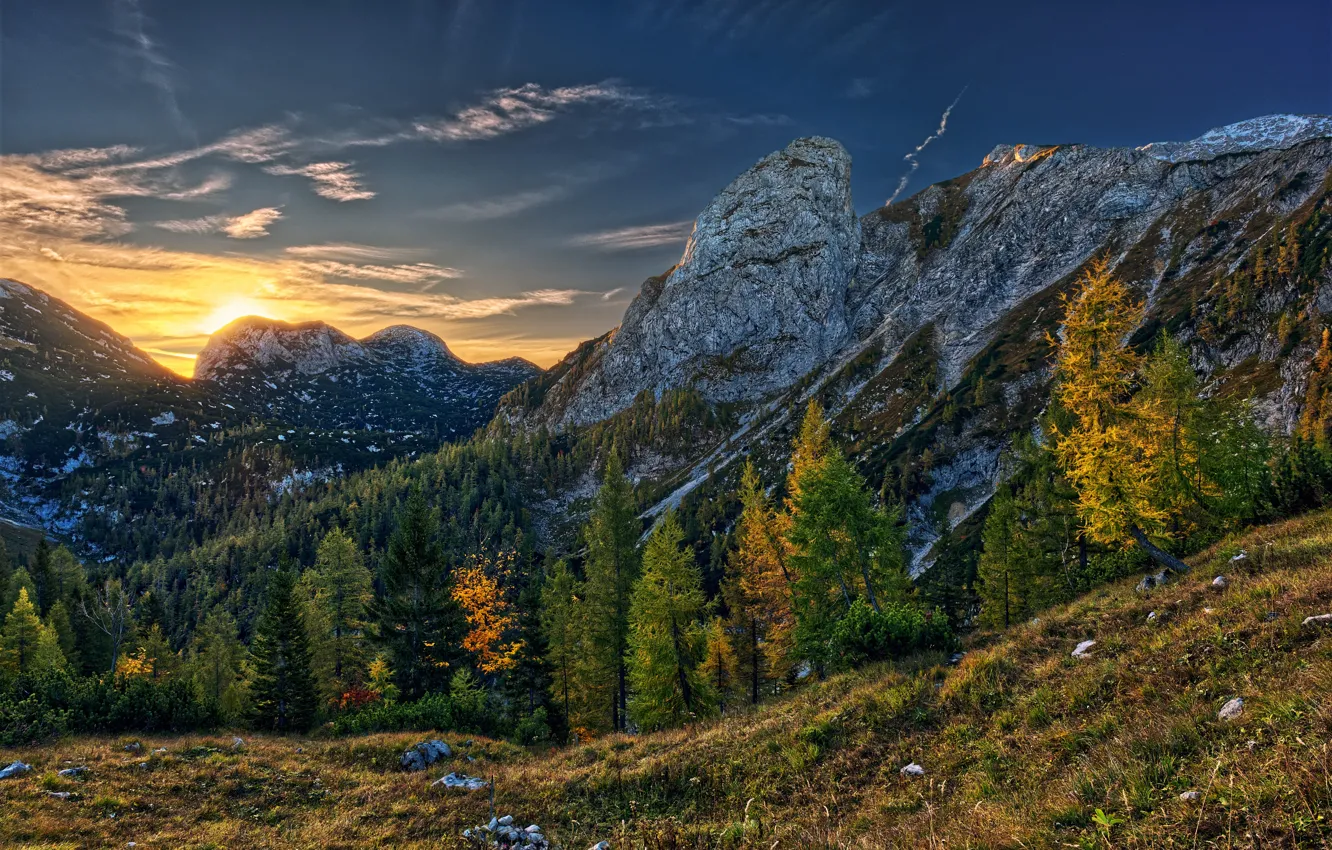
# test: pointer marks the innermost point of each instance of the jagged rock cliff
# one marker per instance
(757, 300)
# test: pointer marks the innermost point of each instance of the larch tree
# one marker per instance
(611, 568)
(560, 627)
(21, 637)
(666, 639)
(283, 694)
(217, 662)
(758, 567)
(479, 590)
(339, 589)
(1111, 461)
(719, 667)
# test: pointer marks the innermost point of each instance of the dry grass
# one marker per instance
(1021, 744)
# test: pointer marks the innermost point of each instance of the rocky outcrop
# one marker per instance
(253, 342)
(757, 300)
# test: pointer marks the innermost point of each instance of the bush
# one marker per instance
(898, 629)
(54, 702)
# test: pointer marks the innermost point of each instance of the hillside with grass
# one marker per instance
(1021, 744)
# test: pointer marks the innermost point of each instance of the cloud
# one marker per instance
(859, 88)
(336, 181)
(53, 254)
(154, 68)
(352, 252)
(487, 209)
(512, 110)
(606, 296)
(410, 273)
(250, 225)
(914, 157)
(636, 238)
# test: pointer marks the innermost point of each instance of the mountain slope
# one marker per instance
(934, 340)
(1020, 744)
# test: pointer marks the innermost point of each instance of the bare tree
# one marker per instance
(110, 612)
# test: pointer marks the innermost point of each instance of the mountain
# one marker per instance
(922, 326)
(311, 374)
(90, 425)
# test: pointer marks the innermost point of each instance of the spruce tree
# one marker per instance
(666, 639)
(612, 568)
(283, 687)
(1001, 572)
(218, 660)
(419, 624)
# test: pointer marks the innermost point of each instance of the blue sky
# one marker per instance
(506, 173)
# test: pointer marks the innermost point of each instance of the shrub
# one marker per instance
(898, 629)
(55, 702)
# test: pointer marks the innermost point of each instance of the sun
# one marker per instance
(231, 310)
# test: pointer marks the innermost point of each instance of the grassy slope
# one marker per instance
(1021, 743)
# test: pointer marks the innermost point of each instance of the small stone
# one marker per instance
(1270, 616)
(18, 768)
(160, 751)
(507, 820)
(1190, 796)
(1231, 710)
(1152, 581)
(59, 795)
(238, 743)
(300, 749)
(1220, 583)
(912, 769)
(956, 657)
(1151, 618)
(1252, 745)
(73, 772)
(1242, 556)
(600, 845)
(134, 747)
(1318, 620)
(532, 828)
(1080, 651)
(1207, 610)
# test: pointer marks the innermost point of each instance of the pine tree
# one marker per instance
(1002, 571)
(843, 549)
(612, 567)
(283, 687)
(560, 627)
(666, 640)
(418, 622)
(339, 589)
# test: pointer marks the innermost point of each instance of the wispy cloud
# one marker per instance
(250, 225)
(636, 238)
(353, 252)
(336, 181)
(503, 206)
(154, 68)
(511, 110)
(407, 273)
(859, 88)
(913, 158)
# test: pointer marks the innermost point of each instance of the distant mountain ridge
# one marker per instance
(78, 399)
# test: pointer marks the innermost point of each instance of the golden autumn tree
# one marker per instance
(764, 603)
(1318, 396)
(491, 620)
(1109, 457)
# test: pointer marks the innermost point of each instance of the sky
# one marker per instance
(506, 173)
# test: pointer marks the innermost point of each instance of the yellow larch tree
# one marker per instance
(479, 591)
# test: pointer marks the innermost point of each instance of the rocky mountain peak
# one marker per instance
(308, 348)
(757, 299)
(1269, 132)
(410, 345)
